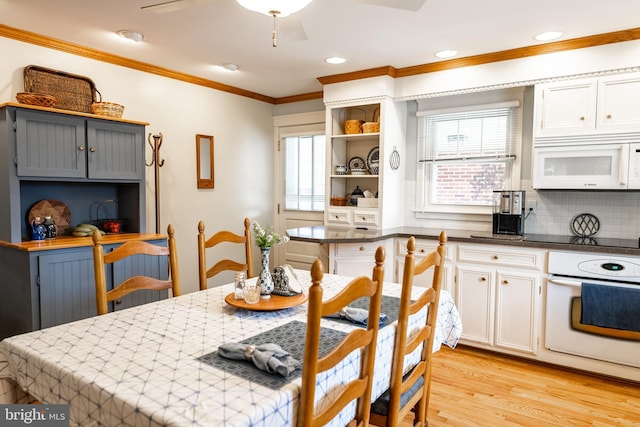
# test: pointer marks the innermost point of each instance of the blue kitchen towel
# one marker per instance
(611, 306)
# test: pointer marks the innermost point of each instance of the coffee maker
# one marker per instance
(508, 212)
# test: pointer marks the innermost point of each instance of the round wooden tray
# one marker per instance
(276, 302)
(58, 211)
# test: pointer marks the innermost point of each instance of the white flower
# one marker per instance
(266, 240)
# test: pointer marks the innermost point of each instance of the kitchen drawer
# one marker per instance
(356, 249)
(339, 216)
(531, 259)
(362, 217)
(423, 247)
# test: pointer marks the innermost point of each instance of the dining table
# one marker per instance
(157, 364)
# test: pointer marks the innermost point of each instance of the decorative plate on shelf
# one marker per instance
(356, 163)
(373, 158)
(585, 225)
(57, 210)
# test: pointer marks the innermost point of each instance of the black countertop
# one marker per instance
(327, 234)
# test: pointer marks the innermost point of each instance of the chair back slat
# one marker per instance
(135, 283)
(220, 237)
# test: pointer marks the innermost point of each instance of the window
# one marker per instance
(304, 172)
(466, 154)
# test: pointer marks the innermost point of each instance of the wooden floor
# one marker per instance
(476, 388)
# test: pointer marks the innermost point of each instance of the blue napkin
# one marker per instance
(267, 357)
(356, 315)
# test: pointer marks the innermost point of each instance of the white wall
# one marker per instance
(242, 128)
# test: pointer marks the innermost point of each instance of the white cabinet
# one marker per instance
(498, 293)
(423, 247)
(358, 259)
(587, 106)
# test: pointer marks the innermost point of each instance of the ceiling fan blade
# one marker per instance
(292, 29)
(173, 5)
(413, 5)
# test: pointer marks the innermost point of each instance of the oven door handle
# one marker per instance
(565, 282)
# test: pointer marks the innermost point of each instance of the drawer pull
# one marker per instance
(422, 251)
(92, 149)
(505, 282)
(494, 257)
(81, 148)
(361, 248)
(118, 301)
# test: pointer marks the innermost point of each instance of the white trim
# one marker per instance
(299, 119)
(493, 106)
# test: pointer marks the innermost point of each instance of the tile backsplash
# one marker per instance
(617, 211)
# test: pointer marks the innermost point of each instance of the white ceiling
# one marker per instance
(194, 39)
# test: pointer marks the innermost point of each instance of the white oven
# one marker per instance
(564, 331)
(599, 164)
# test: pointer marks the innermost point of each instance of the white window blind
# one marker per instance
(465, 154)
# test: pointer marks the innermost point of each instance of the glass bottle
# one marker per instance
(51, 230)
(239, 286)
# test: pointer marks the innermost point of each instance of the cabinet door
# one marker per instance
(115, 150)
(140, 265)
(619, 103)
(516, 308)
(50, 145)
(67, 287)
(567, 108)
(426, 278)
(475, 302)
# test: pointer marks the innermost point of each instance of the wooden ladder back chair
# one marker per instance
(134, 283)
(359, 338)
(224, 264)
(410, 391)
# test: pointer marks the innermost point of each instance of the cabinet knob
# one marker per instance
(361, 248)
(608, 116)
(494, 257)
(118, 301)
(582, 118)
(483, 279)
(81, 148)
(421, 251)
(505, 282)
(92, 149)
(337, 217)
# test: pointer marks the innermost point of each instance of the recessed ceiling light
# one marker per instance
(228, 66)
(335, 60)
(548, 35)
(131, 35)
(446, 53)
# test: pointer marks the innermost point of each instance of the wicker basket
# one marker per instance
(352, 125)
(108, 109)
(39, 99)
(72, 92)
(374, 126)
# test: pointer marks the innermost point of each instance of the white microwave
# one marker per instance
(609, 166)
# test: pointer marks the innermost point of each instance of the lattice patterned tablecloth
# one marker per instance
(139, 367)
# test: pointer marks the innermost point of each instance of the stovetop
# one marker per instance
(586, 241)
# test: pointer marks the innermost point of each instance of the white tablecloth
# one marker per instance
(138, 367)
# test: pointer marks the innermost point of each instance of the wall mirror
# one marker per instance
(204, 160)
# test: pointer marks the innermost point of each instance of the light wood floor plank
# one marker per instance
(475, 388)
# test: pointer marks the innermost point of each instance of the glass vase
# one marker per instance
(265, 280)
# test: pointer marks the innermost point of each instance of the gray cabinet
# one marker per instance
(51, 287)
(63, 146)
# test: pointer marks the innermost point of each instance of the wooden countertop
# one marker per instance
(66, 242)
(328, 234)
(69, 112)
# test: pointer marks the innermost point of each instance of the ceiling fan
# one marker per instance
(289, 23)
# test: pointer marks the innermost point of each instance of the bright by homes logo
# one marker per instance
(34, 415)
